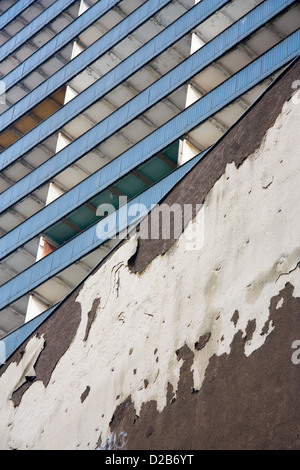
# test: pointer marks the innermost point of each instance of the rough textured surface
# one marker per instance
(168, 347)
(241, 141)
(58, 333)
(238, 394)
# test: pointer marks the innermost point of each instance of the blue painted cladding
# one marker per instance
(84, 243)
(33, 27)
(60, 40)
(182, 73)
(13, 340)
(15, 10)
(110, 80)
(190, 118)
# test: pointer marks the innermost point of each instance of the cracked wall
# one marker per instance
(164, 347)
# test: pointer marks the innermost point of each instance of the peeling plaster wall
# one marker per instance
(194, 350)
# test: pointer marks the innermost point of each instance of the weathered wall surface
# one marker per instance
(165, 347)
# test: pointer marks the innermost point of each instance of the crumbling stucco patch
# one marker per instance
(91, 316)
(25, 370)
(244, 402)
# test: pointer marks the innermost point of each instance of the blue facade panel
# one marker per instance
(187, 120)
(163, 40)
(161, 88)
(176, 128)
(83, 244)
(33, 27)
(59, 41)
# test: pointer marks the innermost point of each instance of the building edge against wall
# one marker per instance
(196, 68)
(166, 347)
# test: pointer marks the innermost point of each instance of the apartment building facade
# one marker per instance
(111, 102)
